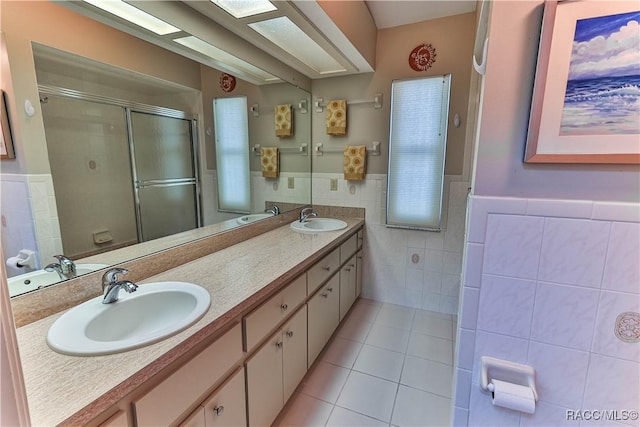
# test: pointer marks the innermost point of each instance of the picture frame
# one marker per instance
(585, 99)
(6, 140)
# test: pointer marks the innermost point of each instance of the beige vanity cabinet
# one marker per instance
(348, 277)
(359, 261)
(324, 316)
(167, 402)
(276, 369)
(119, 419)
(322, 270)
(223, 408)
(348, 248)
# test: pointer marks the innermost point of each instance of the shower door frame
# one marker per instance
(128, 108)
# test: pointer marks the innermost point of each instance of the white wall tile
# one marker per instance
(564, 315)
(547, 415)
(498, 346)
(469, 311)
(465, 348)
(612, 384)
(462, 382)
(610, 211)
(513, 245)
(573, 251)
(622, 266)
(473, 264)
(605, 342)
(561, 373)
(506, 305)
(460, 417)
(560, 208)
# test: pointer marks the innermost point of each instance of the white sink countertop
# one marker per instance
(73, 390)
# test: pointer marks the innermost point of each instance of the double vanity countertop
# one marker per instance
(73, 390)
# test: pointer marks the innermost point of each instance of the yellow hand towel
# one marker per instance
(337, 117)
(284, 120)
(355, 162)
(269, 157)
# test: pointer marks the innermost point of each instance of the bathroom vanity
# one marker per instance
(276, 299)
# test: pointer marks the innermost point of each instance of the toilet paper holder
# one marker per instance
(503, 370)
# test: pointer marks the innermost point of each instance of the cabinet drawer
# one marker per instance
(360, 238)
(224, 408)
(263, 319)
(348, 248)
(163, 404)
(119, 419)
(322, 270)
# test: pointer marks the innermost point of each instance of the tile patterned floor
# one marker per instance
(387, 365)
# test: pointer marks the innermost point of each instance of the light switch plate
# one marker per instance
(334, 184)
(290, 182)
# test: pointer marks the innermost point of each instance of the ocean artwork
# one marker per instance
(603, 85)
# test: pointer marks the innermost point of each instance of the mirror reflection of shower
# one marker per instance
(120, 175)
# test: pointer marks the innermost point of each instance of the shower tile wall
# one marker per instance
(545, 283)
(23, 228)
(419, 269)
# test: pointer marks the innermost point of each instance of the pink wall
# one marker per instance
(500, 171)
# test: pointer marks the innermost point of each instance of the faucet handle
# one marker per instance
(111, 276)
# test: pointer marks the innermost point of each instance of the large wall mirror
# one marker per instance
(121, 163)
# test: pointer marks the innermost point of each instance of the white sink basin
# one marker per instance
(37, 279)
(248, 219)
(318, 225)
(154, 312)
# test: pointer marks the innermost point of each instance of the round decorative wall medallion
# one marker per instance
(422, 57)
(627, 327)
(227, 82)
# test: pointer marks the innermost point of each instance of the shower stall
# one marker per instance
(122, 172)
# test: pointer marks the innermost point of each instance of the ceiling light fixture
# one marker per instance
(285, 34)
(134, 15)
(220, 55)
(243, 8)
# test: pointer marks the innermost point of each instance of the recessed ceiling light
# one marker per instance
(289, 37)
(135, 16)
(243, 8)
(220, 55)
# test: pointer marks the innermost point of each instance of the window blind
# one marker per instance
(232, 154)
(417, 144)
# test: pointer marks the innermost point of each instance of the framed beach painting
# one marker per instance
(6, 142)
(586, 96)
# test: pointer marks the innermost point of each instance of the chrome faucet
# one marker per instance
(273, 210)
(65, 267)
(111, 286)
(306, 213)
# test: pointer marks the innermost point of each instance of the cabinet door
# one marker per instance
(323, 316)
(264, 382)
(294, 365)
(226, 407)
(347, 286)
(359, 273)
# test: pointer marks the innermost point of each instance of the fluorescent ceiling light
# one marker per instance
(220, 55)
(289, 37)
(134, 15)
(243, 8)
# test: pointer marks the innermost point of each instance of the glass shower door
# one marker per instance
(165, 175)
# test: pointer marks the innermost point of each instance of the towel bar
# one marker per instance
(373, 149)
(302, 149)
(302, 107)
(376, 101)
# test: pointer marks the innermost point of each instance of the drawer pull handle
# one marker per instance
(279, 344)
(324, 294)
(352, 265)
(284, 307)
(347, 269)
(326, 268)
(218, 410)
(330, 289)
(290, 334)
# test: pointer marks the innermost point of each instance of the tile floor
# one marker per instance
(387, 365)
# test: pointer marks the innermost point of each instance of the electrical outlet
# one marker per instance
(290, 182)
(334, 184)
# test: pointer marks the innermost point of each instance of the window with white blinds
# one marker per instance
(417, 145)
(232, 154)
